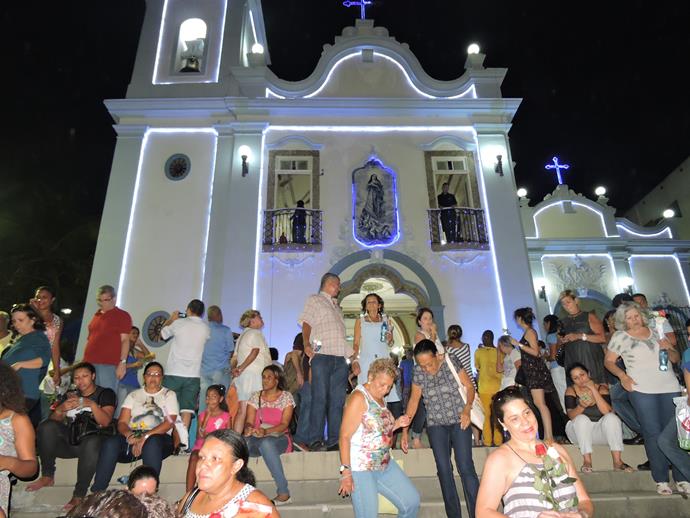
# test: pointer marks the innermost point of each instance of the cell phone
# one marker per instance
(182, 314)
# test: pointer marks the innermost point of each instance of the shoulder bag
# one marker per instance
(476, 412)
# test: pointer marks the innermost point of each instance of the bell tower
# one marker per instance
(189, 49)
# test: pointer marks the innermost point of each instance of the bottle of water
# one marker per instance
(663, 360)
(384, 331)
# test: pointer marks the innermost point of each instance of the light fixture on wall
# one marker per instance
(669, 213)
(542, 292)
(245, 154)
(600, 191)
(522, 192)
(498, 166)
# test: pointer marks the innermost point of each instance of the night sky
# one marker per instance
(604, 87)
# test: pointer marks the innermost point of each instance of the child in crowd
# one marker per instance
(215, 417)
(510, 363)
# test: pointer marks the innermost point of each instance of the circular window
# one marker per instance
(152, 328)
(177, 167)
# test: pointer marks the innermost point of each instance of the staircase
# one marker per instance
(314, 484)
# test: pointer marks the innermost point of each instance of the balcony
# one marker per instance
(460, 228)
(292, 230)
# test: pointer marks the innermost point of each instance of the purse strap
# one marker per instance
(190, 499)
(461, 387)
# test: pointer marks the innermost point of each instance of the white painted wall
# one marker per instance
(466, 279)
(658, 277)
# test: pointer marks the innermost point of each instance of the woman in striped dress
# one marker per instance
(510, 471)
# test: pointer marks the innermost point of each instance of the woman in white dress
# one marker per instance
(250, 357)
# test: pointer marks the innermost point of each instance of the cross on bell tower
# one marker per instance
(362, 6)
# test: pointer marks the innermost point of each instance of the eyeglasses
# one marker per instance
(104, 300)
(154, 374)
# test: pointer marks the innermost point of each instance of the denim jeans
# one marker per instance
(53, 442)
(115, 449)
(391, 483)
(442, 439)
(328, 386)
(106, 377)
(679, 458)
(419, 419)
(620, 401)
(654, 412)
(270, 448)
(218, 377)
(304, 431)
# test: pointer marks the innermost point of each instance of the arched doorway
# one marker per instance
(399, 305)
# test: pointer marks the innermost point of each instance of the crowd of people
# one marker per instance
(589, 382)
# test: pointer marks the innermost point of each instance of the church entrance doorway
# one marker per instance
(400, 307)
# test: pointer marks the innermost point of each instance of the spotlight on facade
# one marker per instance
(522, 192)
(257, 48)
(600, 191)
(473, 49)
(66, 311)
(669, 213)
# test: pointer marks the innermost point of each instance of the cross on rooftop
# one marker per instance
(362, 6)
(557, 168)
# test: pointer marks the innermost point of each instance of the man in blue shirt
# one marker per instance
(215, 363)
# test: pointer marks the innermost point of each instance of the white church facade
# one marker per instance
(233, 186)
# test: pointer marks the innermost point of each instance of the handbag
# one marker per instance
(84, 425)
(521, 377)
(560, 356)
(477, 411)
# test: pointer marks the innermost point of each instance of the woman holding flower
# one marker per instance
(520, 471)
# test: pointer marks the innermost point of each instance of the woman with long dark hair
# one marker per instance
(17, 438)
(29, 355)
(537, 375)
(510, 470)
(269, 412)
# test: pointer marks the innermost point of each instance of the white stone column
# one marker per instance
(243, 214)
(503, 218)
(112, 235)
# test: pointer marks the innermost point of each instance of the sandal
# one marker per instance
(586, 468)
(624, 467)
(664, 489)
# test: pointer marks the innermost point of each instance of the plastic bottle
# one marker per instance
(663, 360)
(384, 331)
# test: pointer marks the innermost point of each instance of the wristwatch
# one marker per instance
(584, 337)
(343, 467)
(123, 361)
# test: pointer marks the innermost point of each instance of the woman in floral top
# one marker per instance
(448, 421)
(366, 435)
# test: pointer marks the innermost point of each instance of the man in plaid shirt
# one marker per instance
(323, 329)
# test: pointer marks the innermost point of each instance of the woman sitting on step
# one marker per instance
(17, 439)
(510, 471)
(366, 436)
(592, 419)
(269, 412)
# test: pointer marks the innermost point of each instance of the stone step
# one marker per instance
(623, 505)
(324, 465)
(309, 492)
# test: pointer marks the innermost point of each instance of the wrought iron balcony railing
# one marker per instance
(457, 228)
(292, 230)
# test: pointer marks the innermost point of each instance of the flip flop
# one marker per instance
(624, 467)
(664, 489)
(586, 469)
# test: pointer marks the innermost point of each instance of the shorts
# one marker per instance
(186, 390)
